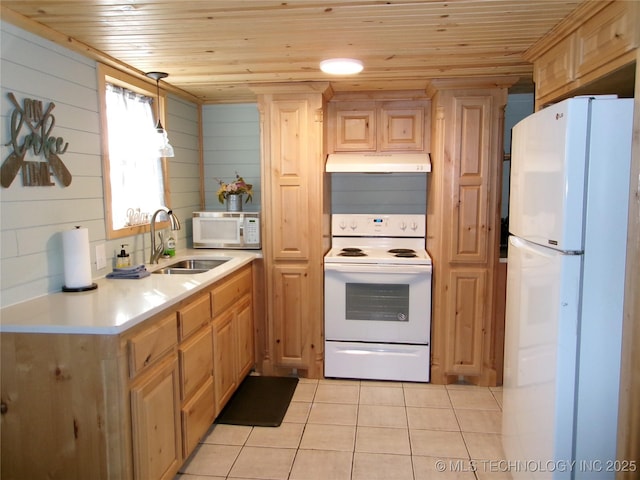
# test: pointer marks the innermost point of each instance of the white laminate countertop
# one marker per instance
(118, 304)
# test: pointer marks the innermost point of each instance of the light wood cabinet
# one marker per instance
(152, 343)
(596, 39)
(291, 282)
(245, 337)
(195, 357)
(197, 413)
(224, 359)
(195, 360)
(233, 338)
(463, 218)
(355, 127)
(296, 212)
(401, 127)
(156, 432)
(128, 406)
(195, 315)
(377, 125)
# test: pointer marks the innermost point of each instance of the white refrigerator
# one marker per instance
(565, 281)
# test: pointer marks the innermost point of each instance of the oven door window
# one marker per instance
(377, 302)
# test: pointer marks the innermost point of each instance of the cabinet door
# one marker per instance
(289, 178)
(155, 408)
(291, 314)
(465, 311)
(555, 69)
(401, 128)
(606, 36)
(224, 358)
(355, 128)
(244, 330)
(471, 179)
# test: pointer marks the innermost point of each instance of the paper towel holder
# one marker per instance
(82, 288)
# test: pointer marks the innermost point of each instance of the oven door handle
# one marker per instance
(381, 268)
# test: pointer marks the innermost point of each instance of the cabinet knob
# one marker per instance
(3, 408)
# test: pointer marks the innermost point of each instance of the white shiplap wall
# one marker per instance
(32, 218)
(231, 139)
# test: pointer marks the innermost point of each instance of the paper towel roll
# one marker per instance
(77, 258)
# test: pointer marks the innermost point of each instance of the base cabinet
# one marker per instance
(132, 406)
(157, 436)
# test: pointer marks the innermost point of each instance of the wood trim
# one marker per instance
(104, 73)
(86, 50)
(629, 413)
(201, 158)
(440, 84)
(580, 15)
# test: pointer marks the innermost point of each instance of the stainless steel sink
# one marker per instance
(191, 266)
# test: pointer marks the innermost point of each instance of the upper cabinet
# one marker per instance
(596, 40)
(378, 125)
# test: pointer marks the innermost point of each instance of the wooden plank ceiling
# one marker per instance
(213, 49)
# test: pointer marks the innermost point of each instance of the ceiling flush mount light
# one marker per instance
(341, 66)
(164, 147)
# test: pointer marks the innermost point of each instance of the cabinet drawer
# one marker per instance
(197, 416)
(196, 362)
(225, 294)
(149, 345)
(194, 315)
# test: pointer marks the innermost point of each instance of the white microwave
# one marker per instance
(236, 230)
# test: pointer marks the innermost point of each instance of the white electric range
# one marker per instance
(378, 298)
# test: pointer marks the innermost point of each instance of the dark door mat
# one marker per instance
(259, 401)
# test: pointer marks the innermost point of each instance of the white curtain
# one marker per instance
(136, 169)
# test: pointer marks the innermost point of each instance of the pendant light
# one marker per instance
(164, 147)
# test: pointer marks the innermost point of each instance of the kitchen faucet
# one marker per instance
(175, 225)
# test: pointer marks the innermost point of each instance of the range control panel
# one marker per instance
(372, 225)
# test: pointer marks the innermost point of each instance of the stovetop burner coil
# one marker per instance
(352, 252)
(403, 252)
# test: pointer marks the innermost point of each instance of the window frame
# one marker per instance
(107, 74)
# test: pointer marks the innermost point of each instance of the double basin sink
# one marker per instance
(191, 266)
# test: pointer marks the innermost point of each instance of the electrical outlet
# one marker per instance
(101, 257)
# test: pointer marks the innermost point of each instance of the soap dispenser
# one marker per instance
(123, 259)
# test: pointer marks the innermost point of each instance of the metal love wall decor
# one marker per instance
(36, 139)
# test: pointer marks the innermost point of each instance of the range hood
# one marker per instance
(379, 162)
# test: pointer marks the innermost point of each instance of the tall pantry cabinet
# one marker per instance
(463, 227)
(296, 224)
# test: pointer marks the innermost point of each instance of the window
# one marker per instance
(135, 178)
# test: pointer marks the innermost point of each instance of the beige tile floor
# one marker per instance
(363, 430)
